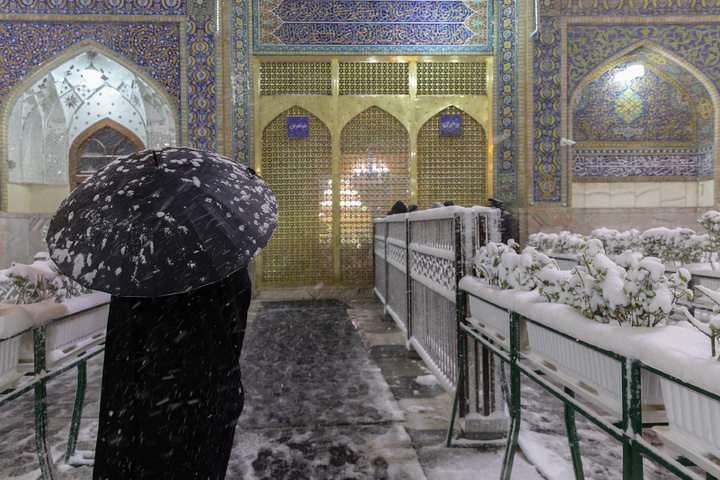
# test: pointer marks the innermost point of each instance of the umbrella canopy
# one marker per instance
(160, 222)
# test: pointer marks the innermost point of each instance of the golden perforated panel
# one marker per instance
(452, 167)
(436, 78)
(295, 78)
(374, 174)
(374, 78)
(299, 171)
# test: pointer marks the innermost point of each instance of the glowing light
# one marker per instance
(630, 73)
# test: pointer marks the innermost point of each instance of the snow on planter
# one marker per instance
(81, 327)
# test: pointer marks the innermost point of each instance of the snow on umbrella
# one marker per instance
(160, 222)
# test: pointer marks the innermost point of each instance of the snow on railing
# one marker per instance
(418, 263)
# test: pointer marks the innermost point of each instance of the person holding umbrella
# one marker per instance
(169, 233)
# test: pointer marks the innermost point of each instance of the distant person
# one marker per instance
(437, 205)
(399, 207)
(507, 222)
(413, 208)
(449, 203)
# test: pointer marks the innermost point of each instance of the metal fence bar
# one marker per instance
(44, 372)
(379, 259)
(396, 271)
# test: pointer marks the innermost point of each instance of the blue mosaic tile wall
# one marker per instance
(639, 8)
(201, 87)
(590, 45)
(240, 82)
(650, 108)
(382, 25)
(155, 48)
(506, 150)
(24, 46)
(94, 7)
(547, 155)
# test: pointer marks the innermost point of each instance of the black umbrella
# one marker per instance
(159, 222)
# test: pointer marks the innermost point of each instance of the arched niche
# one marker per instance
(452, 163)
(645, 126)
(299, 171)
(374, 174)
(59, 102)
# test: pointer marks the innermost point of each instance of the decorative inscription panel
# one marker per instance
(418, 25)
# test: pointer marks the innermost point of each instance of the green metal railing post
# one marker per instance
(632, 419)
(460, 383)
(47, 467)
(571, 430)
(77, 410)
(514, 400)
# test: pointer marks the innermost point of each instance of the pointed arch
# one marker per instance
(163, 101)
(299, 171)
(374, 174)
(708, 159)
(452, 167)
(82, 140)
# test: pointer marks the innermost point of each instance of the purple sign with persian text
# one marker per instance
(450, 124)
(298, 127)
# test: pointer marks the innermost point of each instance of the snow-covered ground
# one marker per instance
(322, 409)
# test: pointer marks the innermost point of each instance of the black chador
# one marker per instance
(171, 390)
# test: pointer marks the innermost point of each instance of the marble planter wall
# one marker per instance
(585, 220)
(21, 237)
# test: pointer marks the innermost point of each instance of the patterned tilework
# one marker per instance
(590, 45)
(94, 7)
(547, 155)
(650, 108)
(585, 166)
(506, 185)
(630, 7)
(201, 82)
(23, 46)
(240, 83)
(415, 25)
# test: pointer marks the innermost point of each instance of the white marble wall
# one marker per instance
(642, 194)
(585, 220)
(21, 237)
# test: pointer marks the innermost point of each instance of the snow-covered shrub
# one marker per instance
(711, 221)
(674, 245)
(555, 285)
(651, 295)
(712, 328)
(568, 243)
(42, 281)
(616, 242)
(629, 291)
(542, 241)
(501, 265)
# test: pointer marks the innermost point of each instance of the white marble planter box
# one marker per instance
(9, 354)
(597, 375)
(78, 331)
(694, 424)
(693, 417)
(82, 327)
(490, 318)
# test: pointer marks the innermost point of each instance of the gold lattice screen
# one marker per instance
(374, 174)
(452, 167)
(299, 170)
